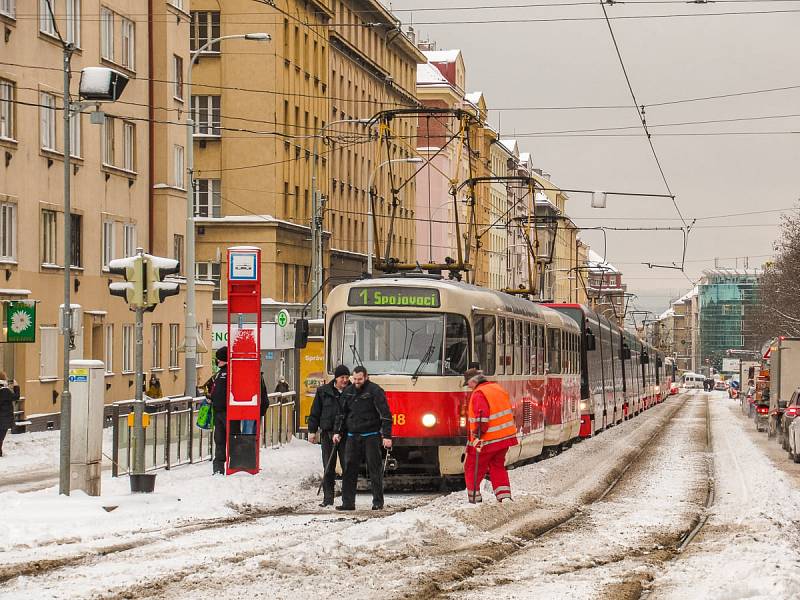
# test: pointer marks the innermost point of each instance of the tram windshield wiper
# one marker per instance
(424, 360)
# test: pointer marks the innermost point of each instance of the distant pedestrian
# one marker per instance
(248, 426)
(367, 426)
(154, 387)
(9, 393)
(492, 432)
(282, 386)
(326, 417)
(218, 393)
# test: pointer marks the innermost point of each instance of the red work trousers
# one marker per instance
(491, 460)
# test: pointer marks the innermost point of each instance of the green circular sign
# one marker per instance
(283, 318)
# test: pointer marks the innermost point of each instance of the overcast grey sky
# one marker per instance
(573, 63)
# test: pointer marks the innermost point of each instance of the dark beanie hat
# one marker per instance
(222, 354)
(341, 370)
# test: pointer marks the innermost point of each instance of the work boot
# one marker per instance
(325, 503)
(343, 507)
(377, 507)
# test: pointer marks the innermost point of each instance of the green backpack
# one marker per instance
(205, 415)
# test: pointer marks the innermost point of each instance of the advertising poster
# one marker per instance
(312, 375)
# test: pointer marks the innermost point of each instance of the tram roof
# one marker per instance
(481, 298)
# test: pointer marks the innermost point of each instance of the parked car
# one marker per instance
(790, 413)
(794, 440)
(720, 386)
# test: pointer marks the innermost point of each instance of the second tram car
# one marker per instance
(417, 334)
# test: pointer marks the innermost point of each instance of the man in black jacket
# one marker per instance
(326, 416)
(219, 391)
(367, 426)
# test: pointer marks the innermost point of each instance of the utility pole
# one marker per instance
(66, 315)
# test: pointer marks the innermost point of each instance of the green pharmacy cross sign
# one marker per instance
(21, 322)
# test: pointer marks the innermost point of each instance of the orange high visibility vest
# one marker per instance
(500, 419)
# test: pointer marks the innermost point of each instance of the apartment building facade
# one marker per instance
(122, 194)
(275, 115)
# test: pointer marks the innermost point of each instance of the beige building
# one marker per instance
(261, 108)
(126, 188)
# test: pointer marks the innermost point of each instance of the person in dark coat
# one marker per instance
(8, 395)
(367, 424)
(218, 396)
(282, 385)
(326, 416)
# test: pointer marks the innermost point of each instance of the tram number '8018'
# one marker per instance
(399, 419)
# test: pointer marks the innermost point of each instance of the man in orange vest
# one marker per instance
(492, 431)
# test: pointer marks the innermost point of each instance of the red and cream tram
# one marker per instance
(417, 334)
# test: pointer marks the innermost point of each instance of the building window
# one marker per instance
(106, 33)
(174, 341)
(128, 146)
(8, 8)
(128, 44)
(177, 251)
(207, 197)
(108, 140)
(155, 358)
(209, 271)
(76, 239)
(177, 77)
(48, 352)
(8, 231)
(108, 243)
(177, 166)
(205, 27)
(75, 136)
(46, 13)
(108, 352)
(127, 348)
(128, 239)
(47, 118)
(206, 115)
(74, 22)
(6, 109)
(49, 238)
(177, 4)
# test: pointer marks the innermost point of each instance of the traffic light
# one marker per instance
(132, 289)
(156, 289)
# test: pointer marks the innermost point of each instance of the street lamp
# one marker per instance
(190, 322)
(316, 219)
(370, 215)
(97, 84)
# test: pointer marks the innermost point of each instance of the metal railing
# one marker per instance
(280, 421)
(173, 439)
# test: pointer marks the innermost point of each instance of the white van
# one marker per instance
(692, 380)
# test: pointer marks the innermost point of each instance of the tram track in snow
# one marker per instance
(523, 536)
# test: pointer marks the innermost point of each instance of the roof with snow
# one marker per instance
(511, 145)
(595, 261)
(445, 56)
(473, 97)
(428, 74)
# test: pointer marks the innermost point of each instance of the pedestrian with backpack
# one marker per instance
(219, 401)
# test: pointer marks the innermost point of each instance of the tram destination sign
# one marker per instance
(391, 296)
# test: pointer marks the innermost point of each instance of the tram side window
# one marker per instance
(532, 353)
(456, 349)
(501, 346)
(526, 348)
(540, 349)
(518, 347)
(510, 341)
(485, 349)
(554, 347)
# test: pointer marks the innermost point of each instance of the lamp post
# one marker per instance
(190, 322)
(370, 215)
(316, 219)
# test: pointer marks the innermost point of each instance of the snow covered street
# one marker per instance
(601, 520)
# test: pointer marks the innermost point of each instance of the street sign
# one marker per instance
(283, 318)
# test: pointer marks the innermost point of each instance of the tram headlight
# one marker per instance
(584, 405)
(428, 420)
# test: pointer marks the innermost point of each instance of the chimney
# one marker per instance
(411, 35)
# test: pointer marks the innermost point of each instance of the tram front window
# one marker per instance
(398, 343)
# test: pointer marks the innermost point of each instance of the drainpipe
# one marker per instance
(150, 129)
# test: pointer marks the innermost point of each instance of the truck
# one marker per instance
(784, 379)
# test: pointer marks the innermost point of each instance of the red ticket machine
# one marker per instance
(244, 359)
